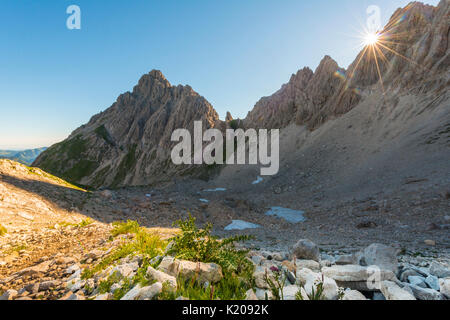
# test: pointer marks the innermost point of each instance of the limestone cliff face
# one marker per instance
(413, 55)
(129, 143)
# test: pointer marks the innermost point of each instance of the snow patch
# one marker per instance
(241, 225)
(215, 190)
(293, 216)
(258, 180)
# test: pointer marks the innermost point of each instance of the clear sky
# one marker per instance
(232, 52)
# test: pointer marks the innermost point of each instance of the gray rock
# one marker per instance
(391, 291)
(32, 288)
(425, 293)
(433, 282)
(306, 249)
(76, 296)
(417, 281)
(358, 277)
(308, 264)
(165, 264)
(346, 259)
(353, 295)
(202, 272)
(250, 295)
(406, 273)
(132, 294)
(262, 294)
(257, 259)
(289, 292)
(105, 296)
(9, 295)
(379, 255)
(149, 292)
(125, 270)
(164, 278)
(73, 268)
(439, 270)
(47, 285)
(444, 285)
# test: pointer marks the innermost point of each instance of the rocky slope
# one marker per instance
(413, 57)
(129, 143)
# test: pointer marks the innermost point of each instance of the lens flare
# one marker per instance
(371, 39)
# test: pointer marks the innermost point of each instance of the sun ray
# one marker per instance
(378, 69)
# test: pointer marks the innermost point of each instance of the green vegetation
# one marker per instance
(55, 159)
(104, 134)
(316, 291)
(84, 223)
(191, 244)
(199, 245)
(234, 124)
(40, 173)
(16, 248)
(127, 163)
(101, 176)
(277, 285)
(81, 169)
(144, 243)
(3, 230)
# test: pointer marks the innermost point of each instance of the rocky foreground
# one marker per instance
(58, 241)
(112, 272)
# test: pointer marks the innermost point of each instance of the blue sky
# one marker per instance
(232, 52)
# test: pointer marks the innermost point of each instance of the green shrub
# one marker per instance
(144, 243)
(198, 245)
(316, 291)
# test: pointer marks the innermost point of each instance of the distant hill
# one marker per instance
(25, 156)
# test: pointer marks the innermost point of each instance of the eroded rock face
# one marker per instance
(130, 142)
(419, 54)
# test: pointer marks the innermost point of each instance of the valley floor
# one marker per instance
(48, 219)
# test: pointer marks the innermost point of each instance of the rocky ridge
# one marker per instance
(130, 142)
(414, 58)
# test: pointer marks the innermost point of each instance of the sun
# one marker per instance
(371, 39)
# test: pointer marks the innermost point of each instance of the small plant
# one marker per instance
(277, 285)
(3, 230)
(341, 294)
(316, 291)
(125, 228)
(86, 222)
(144, 243)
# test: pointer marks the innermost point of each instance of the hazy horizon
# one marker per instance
(53, 79)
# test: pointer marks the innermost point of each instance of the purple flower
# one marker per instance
(274, 269)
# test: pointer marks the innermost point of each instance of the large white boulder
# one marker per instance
(201, 272)
(392, 291)
(445, 287)
(353, 295)
(358, 277)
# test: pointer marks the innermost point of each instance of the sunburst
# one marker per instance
(375, 45)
